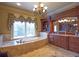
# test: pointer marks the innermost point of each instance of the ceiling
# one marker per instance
(53, 7)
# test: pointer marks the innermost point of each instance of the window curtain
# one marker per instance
(12, 18)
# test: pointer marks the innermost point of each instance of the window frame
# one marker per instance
(12, 32)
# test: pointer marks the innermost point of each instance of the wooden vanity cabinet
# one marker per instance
(58, 40)
(63, 42)
(74, 44)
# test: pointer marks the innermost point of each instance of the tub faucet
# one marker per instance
(20, 40)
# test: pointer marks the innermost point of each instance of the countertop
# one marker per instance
(65, 35)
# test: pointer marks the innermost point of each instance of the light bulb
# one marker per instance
(42, 5)
(45, 7)
(62, 20)
(59, 21)
(75, 24)
(35, 6)
(65, 20)
(73, 20)
(43, 10)
(18, 4)
(33, 9)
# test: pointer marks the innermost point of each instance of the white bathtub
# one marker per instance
(21, 41)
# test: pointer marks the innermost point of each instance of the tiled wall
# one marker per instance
(43, 34)
(5, 37)
(1, 37)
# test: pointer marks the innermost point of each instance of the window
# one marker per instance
(23, 29)
(55, 28)
(30, 29)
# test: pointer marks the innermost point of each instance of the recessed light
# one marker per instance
(18, 4)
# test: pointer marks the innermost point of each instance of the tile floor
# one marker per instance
(51, 51)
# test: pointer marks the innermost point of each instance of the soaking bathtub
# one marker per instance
(22, 46)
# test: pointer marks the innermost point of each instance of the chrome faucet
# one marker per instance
(20, 41)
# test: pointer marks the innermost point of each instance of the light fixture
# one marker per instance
(18, 4)
(68, 19)
(75, 24)
(65, 20)
(40, 9)
(61, 21)
(73, 20)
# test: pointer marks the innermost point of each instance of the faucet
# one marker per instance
(20, 41)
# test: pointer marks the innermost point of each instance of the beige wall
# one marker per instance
(3, 23)
(4, 10)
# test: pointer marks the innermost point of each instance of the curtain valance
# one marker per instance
(12, 18)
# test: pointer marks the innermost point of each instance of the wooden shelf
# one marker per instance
(44, 25)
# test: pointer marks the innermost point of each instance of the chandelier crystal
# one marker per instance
(40, 9)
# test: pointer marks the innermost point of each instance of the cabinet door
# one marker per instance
(63, 42)
(74, 44)
(51, 39)
(56, 40)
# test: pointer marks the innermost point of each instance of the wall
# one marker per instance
(4, 10)
(3, 23)
(69, 13)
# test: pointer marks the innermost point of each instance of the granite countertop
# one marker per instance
(65, 35)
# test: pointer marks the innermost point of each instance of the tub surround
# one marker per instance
(1, 39)
(20, 41)
(16, 49)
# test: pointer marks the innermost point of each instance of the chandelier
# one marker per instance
(40, 9)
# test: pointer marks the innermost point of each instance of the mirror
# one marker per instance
(68, 24)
